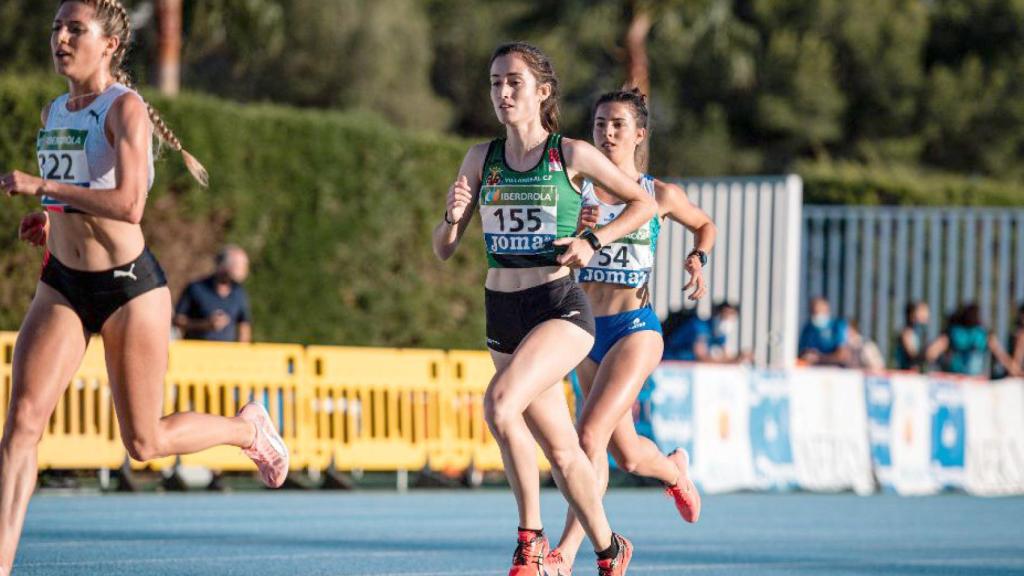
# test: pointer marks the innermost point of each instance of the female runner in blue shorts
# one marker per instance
(628, 342)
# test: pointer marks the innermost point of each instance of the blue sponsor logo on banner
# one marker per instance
(879, 407)
(948, 439)
(771, 444)
(666, 411)
(949, 431)
(769, 430)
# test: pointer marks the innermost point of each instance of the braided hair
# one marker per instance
(113, 18)
(637, 101)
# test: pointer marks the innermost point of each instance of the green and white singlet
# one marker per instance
(628, 260)
(524, 212)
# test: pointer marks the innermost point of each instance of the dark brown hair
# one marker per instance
(637, 101)
(540, 65)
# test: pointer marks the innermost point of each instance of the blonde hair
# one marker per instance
(113, 17)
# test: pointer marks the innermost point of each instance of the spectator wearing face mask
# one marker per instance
(713, 341)
(913, 339)
(823, 340)
(724, 341)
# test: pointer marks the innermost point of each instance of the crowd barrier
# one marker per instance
(371, 409)
(380, 409)
(829, 429)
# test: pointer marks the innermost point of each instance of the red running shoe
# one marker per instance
(268, 450)
(528, 559)
(616, 566)
(555, 565)
(684, 492)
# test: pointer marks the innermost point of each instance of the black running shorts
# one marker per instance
(511, 315)
(95, 296)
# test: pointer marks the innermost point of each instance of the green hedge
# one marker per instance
(336, 211)
(847, 183)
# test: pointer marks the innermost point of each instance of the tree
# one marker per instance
(169, 63)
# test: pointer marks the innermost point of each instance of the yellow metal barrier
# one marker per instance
(372, 408)
(469, 373)
(358, 408)
(219, 378)
(82, 432)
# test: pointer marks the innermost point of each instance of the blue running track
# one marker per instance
(472, 534)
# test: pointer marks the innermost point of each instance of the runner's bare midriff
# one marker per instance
(90, 243)
(516, 279)
(611, 299)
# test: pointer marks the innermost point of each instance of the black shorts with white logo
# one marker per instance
(95, 296)
(511, 315)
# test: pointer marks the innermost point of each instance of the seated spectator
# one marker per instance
(913, 338)
(724, 344)
(864, 354)
(823, 338)
(690, 333)
(217, 307)
(966, 344)
(714, 341)
(1017, 340)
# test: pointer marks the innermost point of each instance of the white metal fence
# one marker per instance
(871, 261)
(755, 263)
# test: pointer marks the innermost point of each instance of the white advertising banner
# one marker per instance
(721, 454)
(995, 438)
(829, 430)
(910, 436)
(828, 425)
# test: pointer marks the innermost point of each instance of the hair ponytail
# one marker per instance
(113, 17)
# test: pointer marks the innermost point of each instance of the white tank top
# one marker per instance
(73, 148)
(628, 260)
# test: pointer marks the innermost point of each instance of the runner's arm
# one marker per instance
(460, 203)
(129, 124)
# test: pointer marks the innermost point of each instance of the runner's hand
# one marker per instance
(577, 252)
(219, 320)
(460, 196)
(18, 182)
(34, 229)
(588, 218)
(696, 282)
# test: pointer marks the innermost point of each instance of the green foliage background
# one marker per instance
(336, 210)
(332, 129)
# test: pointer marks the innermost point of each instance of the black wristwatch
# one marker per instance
(591, 239)
(701, 255)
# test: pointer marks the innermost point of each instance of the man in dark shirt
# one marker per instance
(217, 307)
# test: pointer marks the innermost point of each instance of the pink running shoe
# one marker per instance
(528, 559)
(616, 566)
(555, 565)
(684, 492)
(268, 450)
